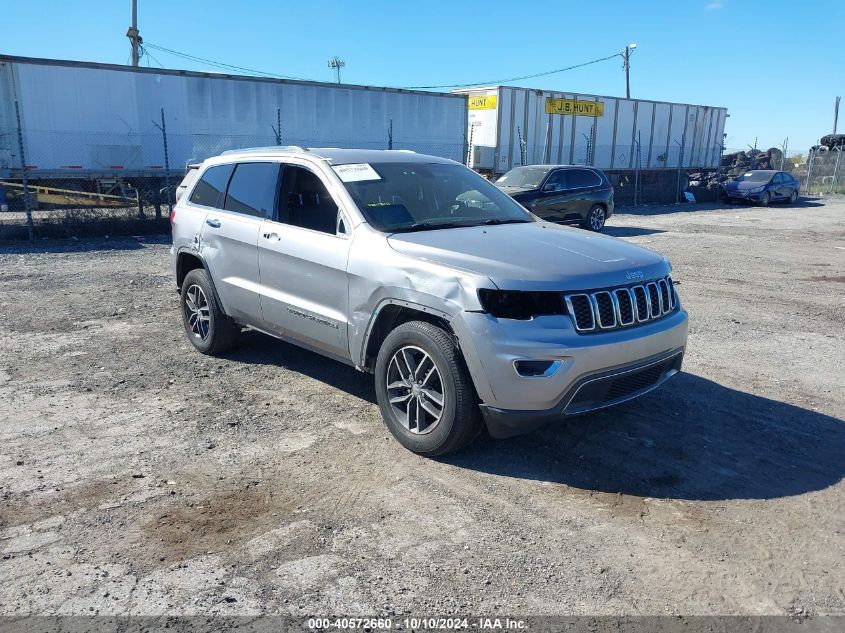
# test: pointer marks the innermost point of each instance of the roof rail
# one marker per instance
(269, 149)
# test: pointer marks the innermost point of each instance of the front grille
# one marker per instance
(626, 306)
(621, 307)
(604, 309)
(582, 311)
(632, 383)
(642, 303)
(653, 300)
(603, 391)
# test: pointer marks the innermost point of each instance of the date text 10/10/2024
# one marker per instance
(421, 623)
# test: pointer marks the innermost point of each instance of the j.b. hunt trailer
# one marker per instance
(511, 126)
(85, 124)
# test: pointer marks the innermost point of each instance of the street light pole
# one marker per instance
(134, 36)
(626, 56)
(336, 63)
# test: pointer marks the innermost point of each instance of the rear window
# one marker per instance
(187, 181)
(577, 178)
(211, 188)
(252, 189)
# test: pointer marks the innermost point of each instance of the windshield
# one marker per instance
(523, 177)
(421, 196)
(755, 176)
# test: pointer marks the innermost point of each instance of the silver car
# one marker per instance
(469, 310)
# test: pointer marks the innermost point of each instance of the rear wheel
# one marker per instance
(793, 197)
(424, 390)
(207, 327)
(595, 218)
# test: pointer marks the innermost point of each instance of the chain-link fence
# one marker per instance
(99, 184)
(819, 170)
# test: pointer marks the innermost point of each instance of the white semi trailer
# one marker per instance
(91, 121)
(510, 126)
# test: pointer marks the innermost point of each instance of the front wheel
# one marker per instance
(424, 390)
(595, 218)
(765, 199)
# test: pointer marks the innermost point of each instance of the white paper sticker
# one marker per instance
(356, 172)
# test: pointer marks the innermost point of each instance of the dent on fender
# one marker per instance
(425, 286)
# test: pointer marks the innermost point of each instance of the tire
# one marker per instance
(595, 219)
(793, 197)
(207, 327)
(765, 199)
(417, 345)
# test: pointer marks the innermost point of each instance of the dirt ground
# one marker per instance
(139, 477)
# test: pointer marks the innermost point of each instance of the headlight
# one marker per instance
(518, 304)
(756, 190)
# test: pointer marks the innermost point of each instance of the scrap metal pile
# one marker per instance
(738, 163)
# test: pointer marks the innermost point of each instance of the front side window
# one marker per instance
(581, 178)
(211, 188)
(252, 189)
(420, 196)
(305, 202)
(558, 179)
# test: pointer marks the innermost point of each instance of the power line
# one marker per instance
(149, 56)
(210, 62)
(494, 82)
(491, 82)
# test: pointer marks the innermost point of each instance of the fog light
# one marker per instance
(536, 368)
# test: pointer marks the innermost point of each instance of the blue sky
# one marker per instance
(776, 65)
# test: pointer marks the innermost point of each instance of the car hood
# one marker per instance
(534, 256)
(744, 185)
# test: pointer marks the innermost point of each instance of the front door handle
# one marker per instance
(273, 237)
(213, 223)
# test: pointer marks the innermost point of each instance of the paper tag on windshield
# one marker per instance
(356, 172)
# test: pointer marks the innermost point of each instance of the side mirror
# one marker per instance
(550, 187)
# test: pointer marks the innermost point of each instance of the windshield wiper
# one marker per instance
(493, 221)
(428, 226)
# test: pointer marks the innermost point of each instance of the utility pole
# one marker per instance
(134, 36)
(836, 114)
(626, 56)
(336, 63)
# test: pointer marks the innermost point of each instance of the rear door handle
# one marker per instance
(274, 237)
(213, 223)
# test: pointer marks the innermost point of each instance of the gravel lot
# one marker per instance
(139, 477)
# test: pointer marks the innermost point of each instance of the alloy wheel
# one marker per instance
(597, 218)
(197, 313)
(415, 390)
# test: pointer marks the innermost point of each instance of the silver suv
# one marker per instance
(469, 310)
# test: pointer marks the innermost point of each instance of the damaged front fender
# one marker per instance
(424, 286)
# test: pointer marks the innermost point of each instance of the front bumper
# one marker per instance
(590, 393)
(490, 347)
(742, 195)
